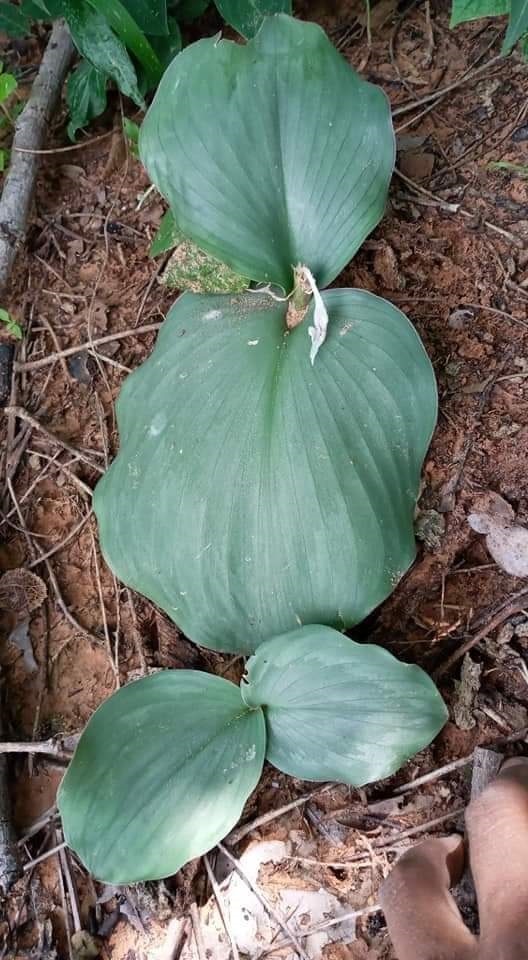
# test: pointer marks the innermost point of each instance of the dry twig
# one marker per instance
(240, 832)
(30, 131)
(24, 415)
(222, 908)
(515, 604)
(97, 342)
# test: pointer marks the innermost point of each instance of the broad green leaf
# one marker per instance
(463, 10)
(167, 236)
(254, 493)
(13, 20)
(150, 16)
(8, 85)
(85, 95)
(132, 37)
(160, 775)
(339, 710)
(518, 24)
(246, 16)
(96, 41)
(271, 153)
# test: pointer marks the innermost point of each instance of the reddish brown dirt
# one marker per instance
(462, 279)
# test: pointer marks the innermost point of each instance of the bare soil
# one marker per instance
(452, 252)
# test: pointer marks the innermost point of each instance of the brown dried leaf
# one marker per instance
(21, 592)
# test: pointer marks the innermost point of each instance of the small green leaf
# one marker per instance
(15, 329)
(464, 10)
(266, 161)
(339, 710)
(520, 169)
(10, 324)
(4, 159)
(518, 24)
(168, 235)
(160, 774)
(246, 16)
(85, 95)
(131, 131)
(96, 41)
(8, 85)
(13, 20)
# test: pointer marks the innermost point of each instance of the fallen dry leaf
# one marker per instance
(255, 931)
(506, 540)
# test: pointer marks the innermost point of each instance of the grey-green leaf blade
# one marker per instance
(160, 774)
(339, 710)
(253, 492)
(272, 153)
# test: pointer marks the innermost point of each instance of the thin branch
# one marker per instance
(9, 860)
(30, 131)
(414, 831)
(515, 604)
(23, 414)
(197, 930)
(65, 861)
(438, 94)
(51, 748)
(433, 775)
(39, 824)
(240, 832)
(222, 908)
(44, 856)
(59, 546)
(353, 915)
(87, 345)
(68, 149)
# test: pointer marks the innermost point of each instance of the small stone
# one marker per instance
(466, 690)
(429, 527)
(521, 134)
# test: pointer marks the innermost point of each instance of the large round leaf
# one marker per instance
(160, 775)
(271, 153)
(339, 710)
(254, 493)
